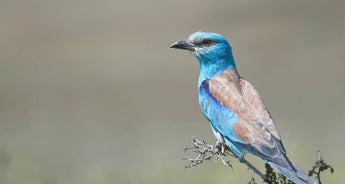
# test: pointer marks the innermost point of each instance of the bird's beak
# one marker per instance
(183, 44)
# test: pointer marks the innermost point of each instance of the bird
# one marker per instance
(238, 117)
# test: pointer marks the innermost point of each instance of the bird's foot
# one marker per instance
(221, 147)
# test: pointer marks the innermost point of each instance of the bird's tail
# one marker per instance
(293, 173)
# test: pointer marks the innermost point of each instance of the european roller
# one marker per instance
(237, 115)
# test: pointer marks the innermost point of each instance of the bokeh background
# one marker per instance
(91, 93)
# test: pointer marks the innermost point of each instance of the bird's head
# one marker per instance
(211, 49)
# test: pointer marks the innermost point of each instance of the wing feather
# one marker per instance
(255, 125)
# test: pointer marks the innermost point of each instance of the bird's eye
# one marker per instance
(207, 42)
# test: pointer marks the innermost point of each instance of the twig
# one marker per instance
(207, 152)
(319, 167)
(254, 169)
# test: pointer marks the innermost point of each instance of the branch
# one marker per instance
(207, 152)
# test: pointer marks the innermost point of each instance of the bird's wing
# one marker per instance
(255, 125)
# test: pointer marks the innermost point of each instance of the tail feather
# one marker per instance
(293, 173)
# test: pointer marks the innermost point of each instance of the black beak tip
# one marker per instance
(183, 44)
(174, 45)
(178, 45)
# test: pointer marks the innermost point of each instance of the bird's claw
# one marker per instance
(221, 147)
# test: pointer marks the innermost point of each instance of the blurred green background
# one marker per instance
(91, 93)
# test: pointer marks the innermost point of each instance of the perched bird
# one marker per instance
(234, 108)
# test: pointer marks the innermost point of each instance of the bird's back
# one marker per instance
(254, 124)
